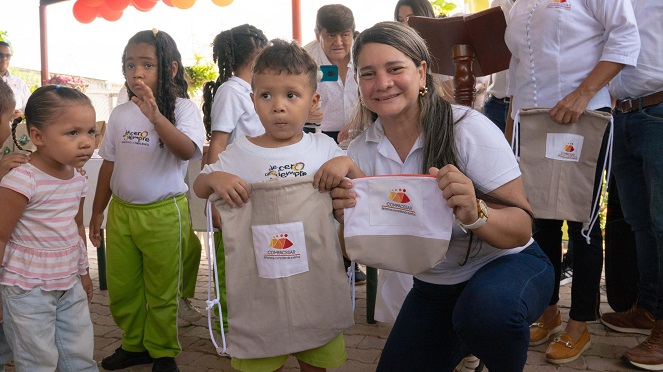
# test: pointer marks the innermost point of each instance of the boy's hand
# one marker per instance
(87, 286)
(334, 171)
(232, 189)
(11, 161)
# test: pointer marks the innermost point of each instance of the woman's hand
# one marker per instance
(458, 191)
(343, 197)
(569, 109)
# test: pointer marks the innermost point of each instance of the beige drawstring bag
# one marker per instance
(558, 163)
(286, 287)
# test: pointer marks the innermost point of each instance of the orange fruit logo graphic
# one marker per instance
(399, 196)
(569, 147)
(280, 241)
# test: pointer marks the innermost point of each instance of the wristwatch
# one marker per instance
(482, 210)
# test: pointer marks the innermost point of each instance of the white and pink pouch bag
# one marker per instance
(400, 223)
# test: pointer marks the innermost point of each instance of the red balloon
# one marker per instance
(93, 3)
(144, 5)
(118, 5)
(84, 13)
(109, 14)
(167, 2)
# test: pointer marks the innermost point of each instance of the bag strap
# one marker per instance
(599, 202)
(213, 271)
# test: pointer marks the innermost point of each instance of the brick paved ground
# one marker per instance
(364, 341)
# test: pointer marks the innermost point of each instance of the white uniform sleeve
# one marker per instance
(227, 109)
(484, 155)
(189, 122)
(107, 147)
(623, 40)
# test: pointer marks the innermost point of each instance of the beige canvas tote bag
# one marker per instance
(286, 286)
(400, 223)
(558, 163)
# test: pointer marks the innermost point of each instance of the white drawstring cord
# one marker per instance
(515, 136)
(213, 271)
(351, 282)
(607, 166)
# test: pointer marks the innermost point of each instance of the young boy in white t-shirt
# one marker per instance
(284, 93)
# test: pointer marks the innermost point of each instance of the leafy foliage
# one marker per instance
(199, 74)
(443, 6)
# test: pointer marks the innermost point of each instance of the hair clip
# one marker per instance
(155, 32)
(57, 87)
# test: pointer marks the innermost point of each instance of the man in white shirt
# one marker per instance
(20, 89)
(334, 35)
(638, 170)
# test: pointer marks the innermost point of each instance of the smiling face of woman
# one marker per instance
(389, 83)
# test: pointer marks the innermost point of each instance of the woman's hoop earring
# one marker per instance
(423, 91)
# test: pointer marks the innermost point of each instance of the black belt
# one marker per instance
(632, 104)
(504, 100)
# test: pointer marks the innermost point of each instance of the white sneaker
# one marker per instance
(187, 313)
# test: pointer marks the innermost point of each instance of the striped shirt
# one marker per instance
(45, 249)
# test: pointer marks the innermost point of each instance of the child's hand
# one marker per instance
(147, 103)
(232, 189)
(86, 281)
(95, 229)
(11, 161)
(333, 172)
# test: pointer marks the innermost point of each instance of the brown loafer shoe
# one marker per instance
(564, 350)
(540, 332)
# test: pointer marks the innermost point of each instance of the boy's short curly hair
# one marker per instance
(287, 57)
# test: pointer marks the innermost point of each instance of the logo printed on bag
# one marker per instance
(287, 170)
(568, 152)
(398, 203)
(136, 138)
(281, 243)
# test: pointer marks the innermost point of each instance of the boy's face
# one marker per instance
(283, 102)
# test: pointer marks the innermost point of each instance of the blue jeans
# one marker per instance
(488, 316)
(6, 355)
(638, 169)
(49, 330)
(497, 111)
